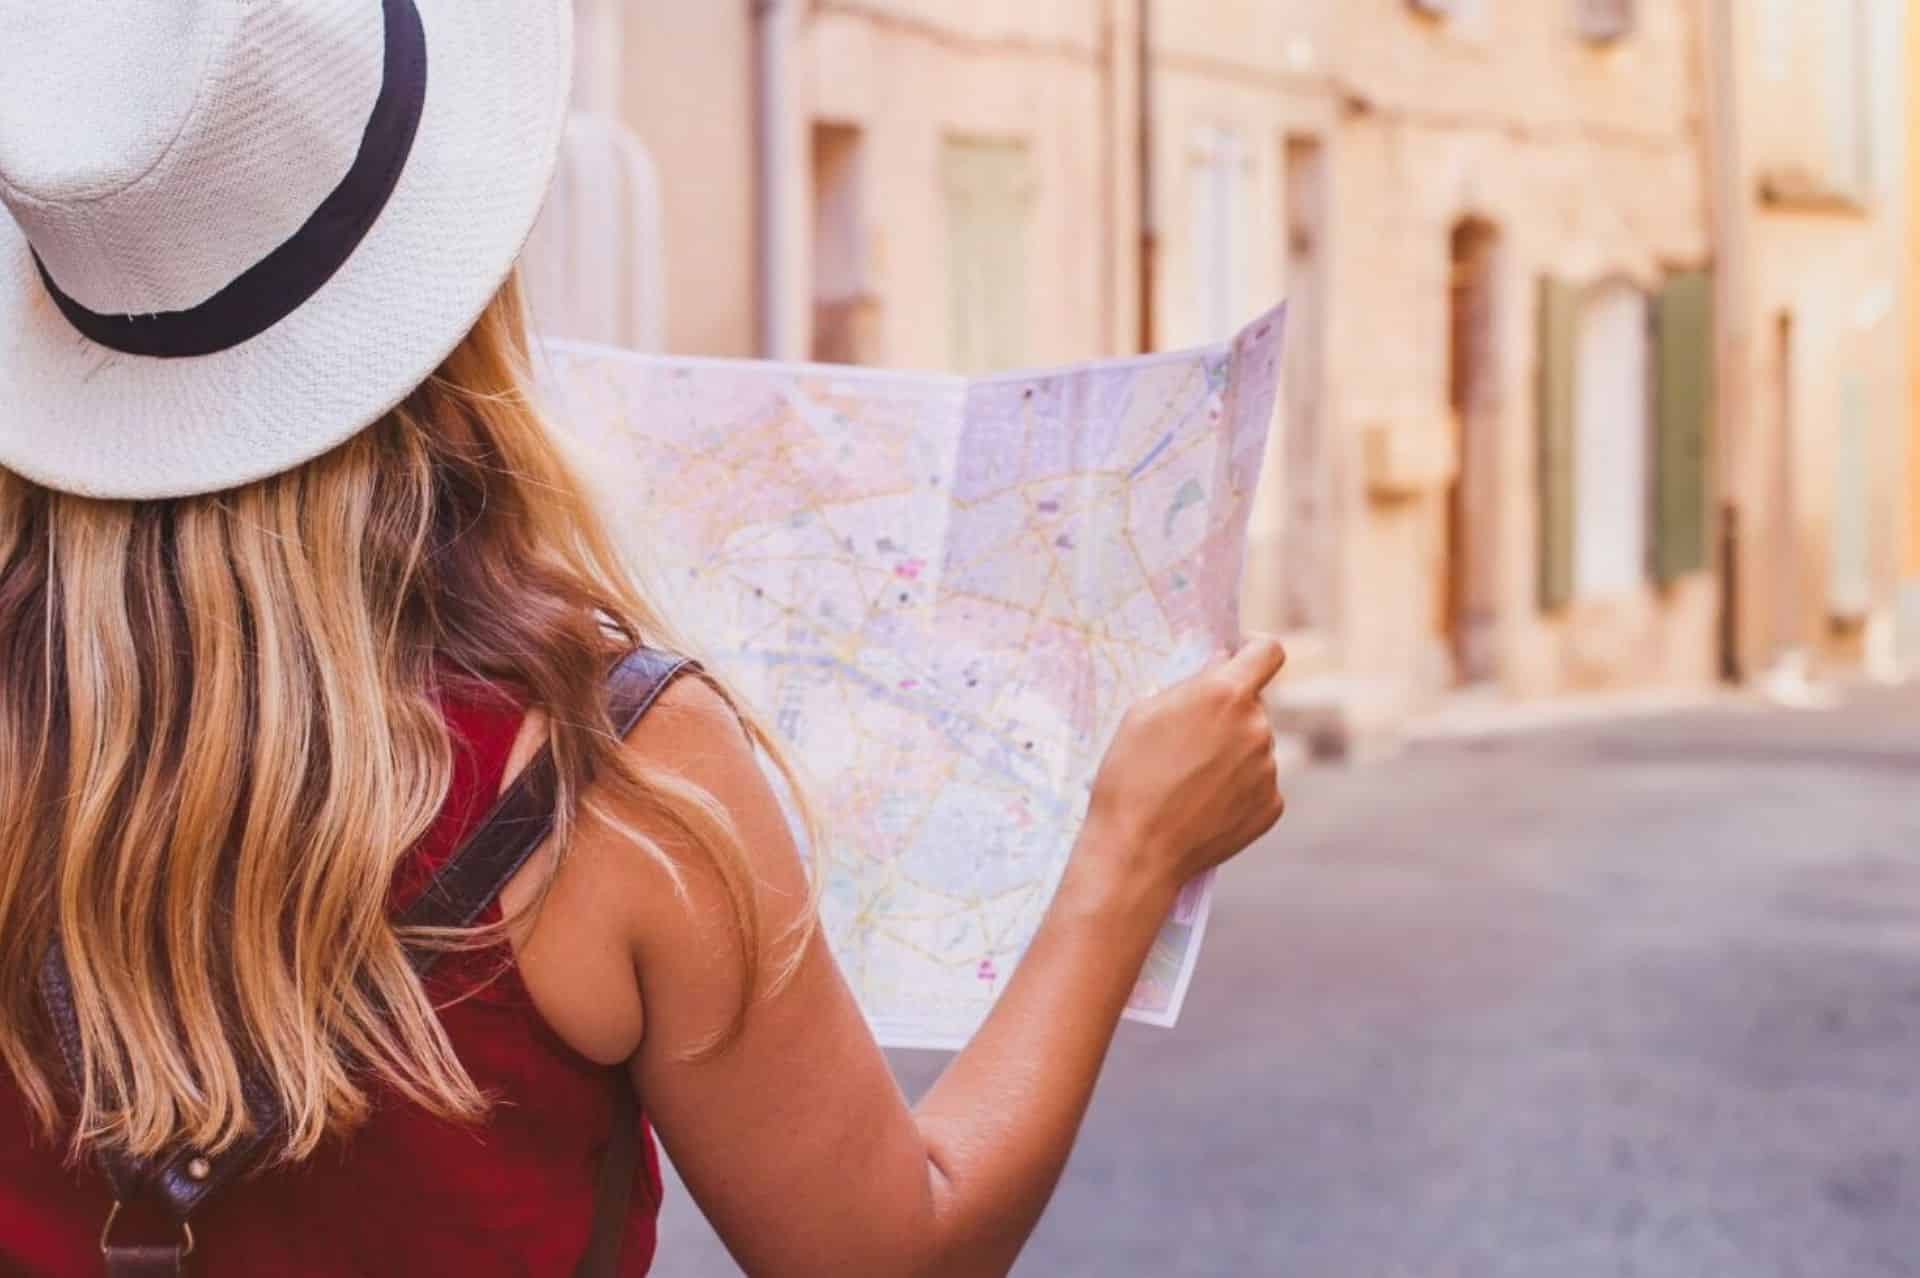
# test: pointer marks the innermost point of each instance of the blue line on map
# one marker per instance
(1151, 457)
(1203, 392)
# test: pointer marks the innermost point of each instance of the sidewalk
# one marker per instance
(1486, 713)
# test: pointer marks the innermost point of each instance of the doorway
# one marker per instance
(1307, 533)
(1468, 593)
(1786, 646)
(845, 310)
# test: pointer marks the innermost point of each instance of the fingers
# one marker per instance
(1253, 667)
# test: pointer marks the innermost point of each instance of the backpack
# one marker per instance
(181, 1184)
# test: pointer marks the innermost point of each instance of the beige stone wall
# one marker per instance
(1262, 72)
(1829, 255)
(1056, 74)
(1208, 76)
(910, 75)
(1581, 209)
(1909, 603)
(689, 95)
(1909, 265)
(1588, 163)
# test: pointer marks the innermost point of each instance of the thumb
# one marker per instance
(1254, 666)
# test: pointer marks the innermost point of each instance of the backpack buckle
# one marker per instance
(106, 1233)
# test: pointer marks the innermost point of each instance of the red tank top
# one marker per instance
(406, 1193)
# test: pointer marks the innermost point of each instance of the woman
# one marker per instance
(293, 584)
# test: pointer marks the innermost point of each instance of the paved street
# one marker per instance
(1639, 999)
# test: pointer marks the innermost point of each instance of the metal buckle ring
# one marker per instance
(106, 1233)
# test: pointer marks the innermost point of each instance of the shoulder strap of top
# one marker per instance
(513, 830)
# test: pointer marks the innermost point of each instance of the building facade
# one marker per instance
(1910, 576)
(1517, 222)
(1527, 246)
(1814, 373)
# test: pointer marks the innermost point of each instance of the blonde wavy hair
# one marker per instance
(220, 735)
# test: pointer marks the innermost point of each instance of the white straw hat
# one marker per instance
(241, 231)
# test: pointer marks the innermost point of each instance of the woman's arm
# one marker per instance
(796, 1140)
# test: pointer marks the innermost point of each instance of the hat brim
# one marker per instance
(85, 419)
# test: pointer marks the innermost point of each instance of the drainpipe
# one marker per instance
(1149, 224)
(600, 49)
(773, 42)
(1109, 169)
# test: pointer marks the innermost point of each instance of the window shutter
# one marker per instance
(1559, 310)
(1684, 426)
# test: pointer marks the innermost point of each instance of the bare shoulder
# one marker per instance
(692, 725)
(694, 737)
(707, 838)
(694, 757)
(636, 930)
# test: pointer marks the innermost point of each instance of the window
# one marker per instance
(1854, 42)
(1594, 442)
(1841, 93)
(1883, 47)
(845, 310)
(1611, 431)
(989, 189)
(1603, 21)
(1217, 234)
(1831, 151)
(1776, 38)
(1623, 435)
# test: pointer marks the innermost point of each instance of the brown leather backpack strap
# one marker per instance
(178, 1189)
(146, 1262)
(524, 816)
(516, 827)
(179, 1184)
(613, 1192)
(519, 823)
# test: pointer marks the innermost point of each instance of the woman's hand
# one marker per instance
(1190, 779)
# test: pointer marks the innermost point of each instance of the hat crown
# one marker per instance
(154, 152)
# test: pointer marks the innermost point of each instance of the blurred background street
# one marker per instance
(1632, 999)
(1599, 390)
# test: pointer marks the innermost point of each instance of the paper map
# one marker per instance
(944, 593)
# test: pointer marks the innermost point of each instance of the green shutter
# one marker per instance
(1559, 309)
(1683, 426)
